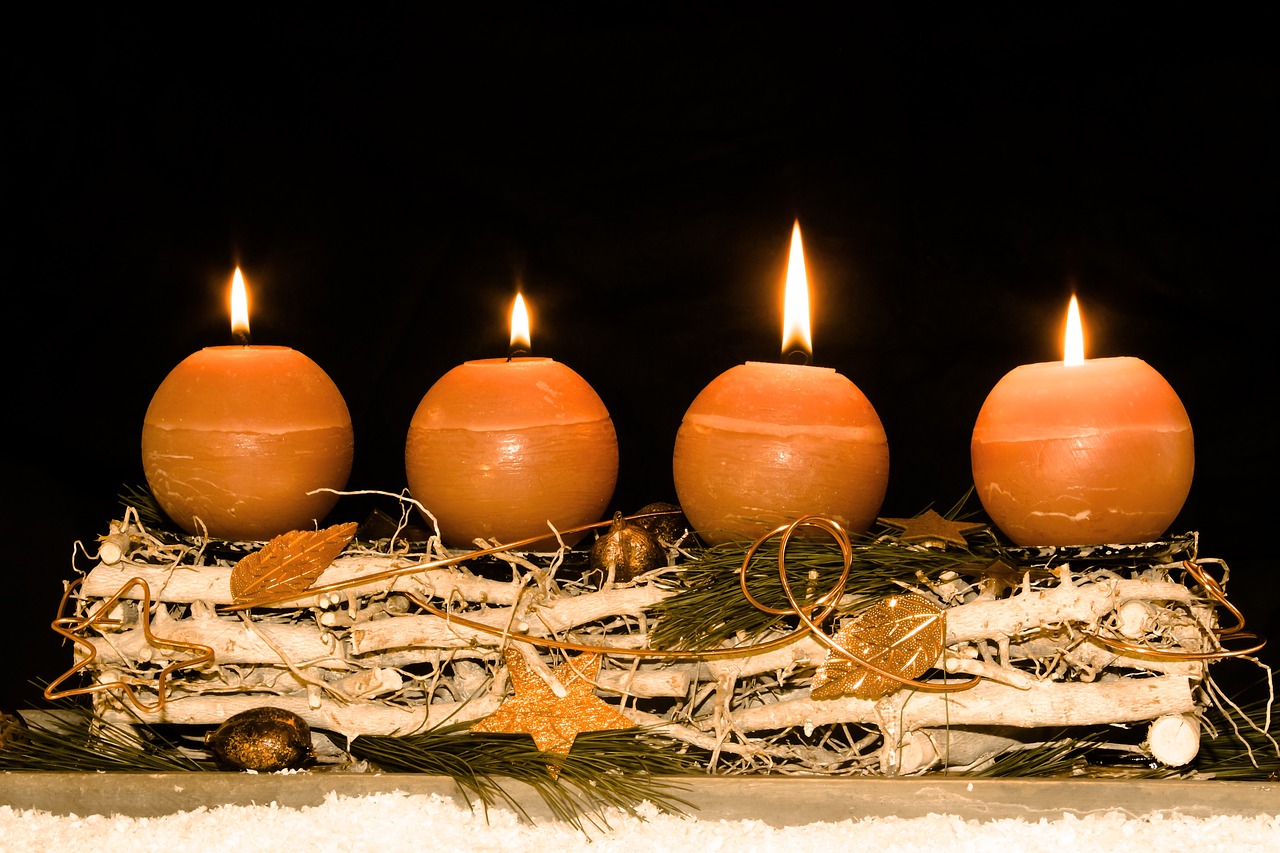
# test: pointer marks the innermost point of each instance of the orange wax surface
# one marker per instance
(1086, 454)
(498, 448)
(236, 436)
(766, 443)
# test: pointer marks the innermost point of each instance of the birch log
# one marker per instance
(367, 717)
(1024, 614)
(923, 749)
(233, 642)
(213, 583)
(346, 718)
(1048, 703)
(542, 620)
(1083, 604)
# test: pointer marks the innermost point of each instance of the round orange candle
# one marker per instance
(236, 437)
(765, 443)
(501, 448)
(1082, 452)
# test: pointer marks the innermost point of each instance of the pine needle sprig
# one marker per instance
(605, 769)
(708, 608)
(1063, 756)
(76, 740)
(621, 769)
(140, 499)
(1221, 754)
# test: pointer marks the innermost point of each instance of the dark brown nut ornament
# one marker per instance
(667, 524)
(265, 740)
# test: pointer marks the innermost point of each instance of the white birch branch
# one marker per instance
(232, 643)
(346, 718)
(213, 583)
(543, 620)
(993, 620)
(1066, 602)
(1048, 703)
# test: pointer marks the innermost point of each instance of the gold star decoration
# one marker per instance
(72, 627)
(930, 528)
(902, 635)
(553, 722)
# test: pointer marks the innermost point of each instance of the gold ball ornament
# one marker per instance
(264, 740)
(626, 550)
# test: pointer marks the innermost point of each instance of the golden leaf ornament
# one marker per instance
(289, 563)
(903, 635)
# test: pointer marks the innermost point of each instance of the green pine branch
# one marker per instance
(617, 769)
(709, 609)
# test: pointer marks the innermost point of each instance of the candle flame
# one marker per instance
(1073, 340)
(521, 339)
(795, 310)
(239, 308)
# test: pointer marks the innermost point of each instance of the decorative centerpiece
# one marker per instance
(775, 624)
(928, 645)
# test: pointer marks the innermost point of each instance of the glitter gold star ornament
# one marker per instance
(930, 528)
(553, 722)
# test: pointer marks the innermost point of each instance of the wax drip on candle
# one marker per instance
(239, 310)
(521, 340)
(797, 344)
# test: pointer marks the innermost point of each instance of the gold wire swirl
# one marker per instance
(828, 601)
(1219, 595)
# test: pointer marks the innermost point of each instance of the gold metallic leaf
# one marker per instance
(902, 635)
(289, 563)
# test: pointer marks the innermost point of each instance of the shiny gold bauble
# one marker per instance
(667, 528)
(626, 550)
(264, 739)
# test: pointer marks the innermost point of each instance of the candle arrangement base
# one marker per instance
(884, 655)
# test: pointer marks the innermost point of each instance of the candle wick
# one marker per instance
(241, 337)
(516, 353)
(796, 356)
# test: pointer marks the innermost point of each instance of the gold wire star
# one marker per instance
(553, 722)
(71, 627)
(930, 528)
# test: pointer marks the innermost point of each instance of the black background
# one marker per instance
(386, 180)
